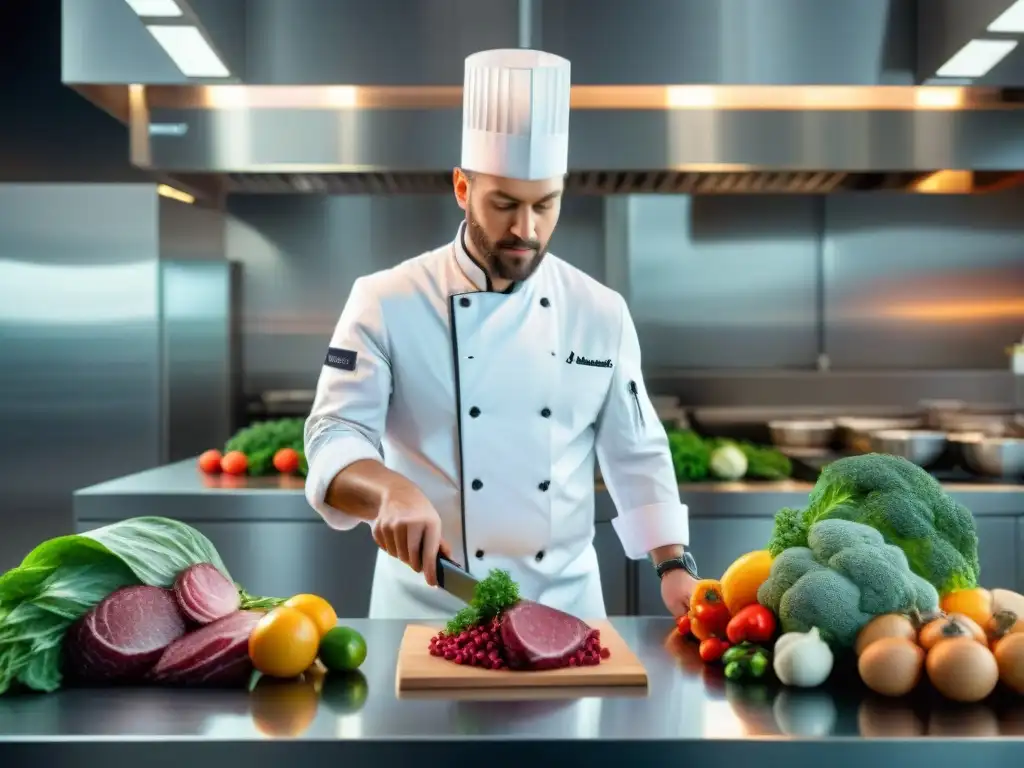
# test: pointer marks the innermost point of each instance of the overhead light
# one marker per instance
(166, 9)
(939, 97)
(1010, 20)
(976, 58)
(690, 96)
(189, 50)
(174, 194)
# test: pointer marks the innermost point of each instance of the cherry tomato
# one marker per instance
(286, 461)
(683, 625)
(711, 650)
(209, 461)
(234, 463)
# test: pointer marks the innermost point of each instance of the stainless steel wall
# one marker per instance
(737, 299)
(724, 282)
(300, 255)
(937, 282)
(79, 348)
(199, 364)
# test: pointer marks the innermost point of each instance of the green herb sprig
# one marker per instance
(494, 594)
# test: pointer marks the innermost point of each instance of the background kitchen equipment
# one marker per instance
(922, 447)
(802, 434)
(1000, 457)
(855, 434)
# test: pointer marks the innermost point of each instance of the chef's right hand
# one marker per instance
(408, 527)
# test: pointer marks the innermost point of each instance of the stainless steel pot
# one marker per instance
(802, 434)
(995, 424)
(922, 447)
(995, 456)
(855, 433)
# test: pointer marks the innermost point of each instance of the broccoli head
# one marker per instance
(844, 577)
(902, 502)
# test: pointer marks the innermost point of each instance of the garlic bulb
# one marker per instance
(802, 659)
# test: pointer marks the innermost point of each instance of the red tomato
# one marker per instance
(286, 461)
(209, 461)
(711, 650)
(683, 625)
(234, 463)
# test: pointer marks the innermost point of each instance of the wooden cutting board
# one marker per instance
(419, 671)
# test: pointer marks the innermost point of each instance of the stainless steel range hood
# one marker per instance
(842, 110)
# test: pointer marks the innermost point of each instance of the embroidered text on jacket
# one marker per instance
(581, 360)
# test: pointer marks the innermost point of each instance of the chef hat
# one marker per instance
(515, 114)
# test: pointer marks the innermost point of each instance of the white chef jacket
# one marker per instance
(495, 404)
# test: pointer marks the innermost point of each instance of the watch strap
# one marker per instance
(686, 563)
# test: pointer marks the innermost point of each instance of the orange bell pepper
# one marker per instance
(708, 614)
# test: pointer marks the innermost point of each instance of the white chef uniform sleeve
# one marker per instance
(632, 448)
(346, 422)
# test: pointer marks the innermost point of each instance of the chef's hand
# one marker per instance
(408, 527)
(676, 588)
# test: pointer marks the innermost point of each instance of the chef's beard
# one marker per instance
(504, 266)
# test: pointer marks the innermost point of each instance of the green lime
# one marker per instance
(342, 649)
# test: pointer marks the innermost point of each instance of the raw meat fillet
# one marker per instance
(536, 636)
(205, 594)
(124, 635)
(215, 654)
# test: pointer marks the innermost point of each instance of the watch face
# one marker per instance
(690, 564)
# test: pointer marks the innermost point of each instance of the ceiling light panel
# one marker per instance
(976, 58)
(164, 9)
(189, 50)
(1011, 20)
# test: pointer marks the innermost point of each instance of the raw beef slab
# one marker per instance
(124, 635)
(536, 636)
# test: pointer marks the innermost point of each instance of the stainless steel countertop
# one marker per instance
(161, 490)
(686, 705)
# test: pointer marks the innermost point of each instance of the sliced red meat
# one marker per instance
(124, 635)
(536, 636)
(215, 654)
(205, 594)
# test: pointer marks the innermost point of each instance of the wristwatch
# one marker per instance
(686, 562)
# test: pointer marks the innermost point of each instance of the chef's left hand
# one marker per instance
(676, 587)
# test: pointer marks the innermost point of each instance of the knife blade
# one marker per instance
(454, 580)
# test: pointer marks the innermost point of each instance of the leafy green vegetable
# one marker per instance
(728, 462)
(844, 577)
(63, 578)
(32, 626)
(260, 441)
(904, 503)
(691, 455)
(494, 594)
(157, 549)
(765, 463)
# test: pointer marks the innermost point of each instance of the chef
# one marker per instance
(467, 391)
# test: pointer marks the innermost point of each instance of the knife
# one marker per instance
(455, 581)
